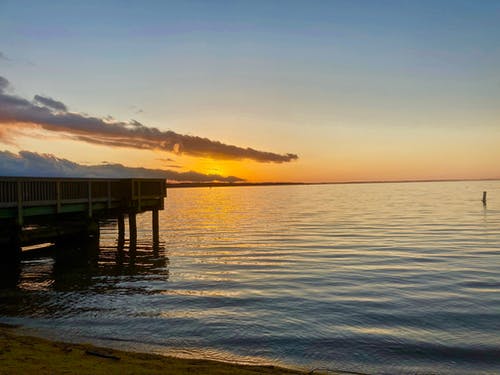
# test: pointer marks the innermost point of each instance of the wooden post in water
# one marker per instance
(156, 229)
(121, 231)
(92, 240)
(13, 251)
(93, 229)
(132, 228)
(484, 198)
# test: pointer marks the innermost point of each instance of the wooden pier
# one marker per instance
(35, 210)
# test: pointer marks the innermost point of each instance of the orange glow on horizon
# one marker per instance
(468, 155)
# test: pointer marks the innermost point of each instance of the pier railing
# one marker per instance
(25, 196)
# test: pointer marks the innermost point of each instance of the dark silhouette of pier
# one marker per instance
(38, 210)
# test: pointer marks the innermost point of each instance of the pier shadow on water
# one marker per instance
(38, 285)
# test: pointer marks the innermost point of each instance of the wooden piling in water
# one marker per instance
(13, 251)
(121, 230)
(156, 229)
(132, 228)
(484, 198)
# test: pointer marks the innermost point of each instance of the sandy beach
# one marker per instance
(21, 354)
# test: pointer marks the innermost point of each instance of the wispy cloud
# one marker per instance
(169, 160)
(33, 164)
(3, 56)
(4, 83)
(50, 103)
(137, 110)
(52, 115)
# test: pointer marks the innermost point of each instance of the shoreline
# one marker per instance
(22, 353)
(177, 185)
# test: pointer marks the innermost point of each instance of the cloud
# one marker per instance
(51, 103)
(32, 164)
(169, 160)
(50, 115)
(3, 56)
(3, 84)
(137, 110)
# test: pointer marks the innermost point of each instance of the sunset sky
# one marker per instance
(311, 91)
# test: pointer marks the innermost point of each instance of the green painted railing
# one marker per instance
(26, 196)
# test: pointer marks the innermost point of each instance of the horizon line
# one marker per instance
(229, 184)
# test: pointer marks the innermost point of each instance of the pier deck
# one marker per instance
(63, 203)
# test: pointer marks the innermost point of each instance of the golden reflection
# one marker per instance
(201, 293)
(35, 277)
(215, 354)
(207, 313)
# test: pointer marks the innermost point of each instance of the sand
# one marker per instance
(20, 354)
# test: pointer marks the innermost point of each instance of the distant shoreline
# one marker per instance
(238, 184)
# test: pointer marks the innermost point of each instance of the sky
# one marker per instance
(261, 91)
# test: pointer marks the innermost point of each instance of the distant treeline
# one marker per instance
(226, 184)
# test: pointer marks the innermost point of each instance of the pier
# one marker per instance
(38, 210)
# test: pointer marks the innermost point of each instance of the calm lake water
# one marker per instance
(375, 278)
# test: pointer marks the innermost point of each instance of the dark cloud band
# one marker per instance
(32, 164)
(52, 115)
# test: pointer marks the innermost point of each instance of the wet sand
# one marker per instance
(21, 354)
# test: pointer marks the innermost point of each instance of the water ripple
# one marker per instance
(376, 278)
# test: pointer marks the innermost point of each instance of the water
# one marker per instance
(374, 278)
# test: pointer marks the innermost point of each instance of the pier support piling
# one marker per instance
(132, 227)
(156, 229)
(93, 229)
(13, 248)
(484, 198)
(121, 231)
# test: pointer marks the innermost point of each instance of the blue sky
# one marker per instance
(316, 78)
